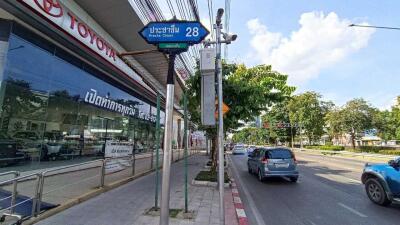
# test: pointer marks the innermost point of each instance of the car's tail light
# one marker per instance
(294, 158)
(264, 160)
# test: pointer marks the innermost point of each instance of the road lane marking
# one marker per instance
(352, 210)
(337, 177)
(252, 205)
(312, 223)
(354, 169)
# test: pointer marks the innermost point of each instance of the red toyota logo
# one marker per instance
(51, 7)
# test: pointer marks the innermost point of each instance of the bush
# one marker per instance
(325, 147)
(210, 176)
(376, 149)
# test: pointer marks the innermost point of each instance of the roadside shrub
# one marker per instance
(325, 147)
(210, 176)
(390, 152)
(378, 150)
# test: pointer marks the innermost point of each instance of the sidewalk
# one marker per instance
(126, 205)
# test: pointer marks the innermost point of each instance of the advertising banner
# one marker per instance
(118, 155)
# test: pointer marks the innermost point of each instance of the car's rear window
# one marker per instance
(279, 154)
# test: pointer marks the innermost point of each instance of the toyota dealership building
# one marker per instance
(65, 90)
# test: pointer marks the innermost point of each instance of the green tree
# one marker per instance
(334, 123)
(309, 110)
(356, 117)
(251, 135)
(385, 123)
(274, 117)
(247, 92)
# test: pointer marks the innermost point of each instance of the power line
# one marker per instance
(379, 27)
(171, 8)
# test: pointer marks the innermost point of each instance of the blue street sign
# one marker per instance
(174, 32)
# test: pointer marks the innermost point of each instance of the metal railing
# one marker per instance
(135, 162)
(14, 182)
(14, 190)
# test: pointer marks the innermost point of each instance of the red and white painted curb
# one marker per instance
(240, 213)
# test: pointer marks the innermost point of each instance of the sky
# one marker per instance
(311, 42)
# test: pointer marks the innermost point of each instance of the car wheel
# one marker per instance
(293, 179)
(260, 176)
(376, 193)
(249, 169)
(43, 154)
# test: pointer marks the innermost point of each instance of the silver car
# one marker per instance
(273, 162)
(239, 150)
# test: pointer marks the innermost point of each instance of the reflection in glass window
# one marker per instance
(44, 115)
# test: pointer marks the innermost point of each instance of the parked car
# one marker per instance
(273, 162)
(239, 150)
(53, 144)
(8, 151)
(28, 142)
(382, 182)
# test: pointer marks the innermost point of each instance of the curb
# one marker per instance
(240, 213)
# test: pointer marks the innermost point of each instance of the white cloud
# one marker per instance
(320, 42)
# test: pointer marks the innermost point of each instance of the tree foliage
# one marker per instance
(246, 91)
(308, 110)
(251, 135)
(278, 114)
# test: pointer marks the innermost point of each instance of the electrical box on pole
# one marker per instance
(207, 70)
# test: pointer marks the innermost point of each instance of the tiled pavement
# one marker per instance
(126, 205)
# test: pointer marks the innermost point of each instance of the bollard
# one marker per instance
(133, 163)
(40, 193)
(152, 159)
(103, 172)
(36, 192)
(14, 193)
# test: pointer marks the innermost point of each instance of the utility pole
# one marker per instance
(228, 38)
(221, 170)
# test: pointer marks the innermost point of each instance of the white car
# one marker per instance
(239, 150)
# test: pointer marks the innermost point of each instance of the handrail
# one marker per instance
(71, 166)
(13, 172)
(14, 190)
(18, 178)
(40, 177)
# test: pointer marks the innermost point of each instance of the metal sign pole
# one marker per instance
(185, 138)
(176, 36)
(157, 149)
(165, 189)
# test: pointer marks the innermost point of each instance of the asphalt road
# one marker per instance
(329, 192)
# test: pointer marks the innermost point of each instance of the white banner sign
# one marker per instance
(114, 151)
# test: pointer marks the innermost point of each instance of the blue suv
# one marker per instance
(382, 182)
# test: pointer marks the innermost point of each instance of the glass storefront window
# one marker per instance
(46, 115)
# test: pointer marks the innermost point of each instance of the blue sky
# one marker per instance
(366, 61)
